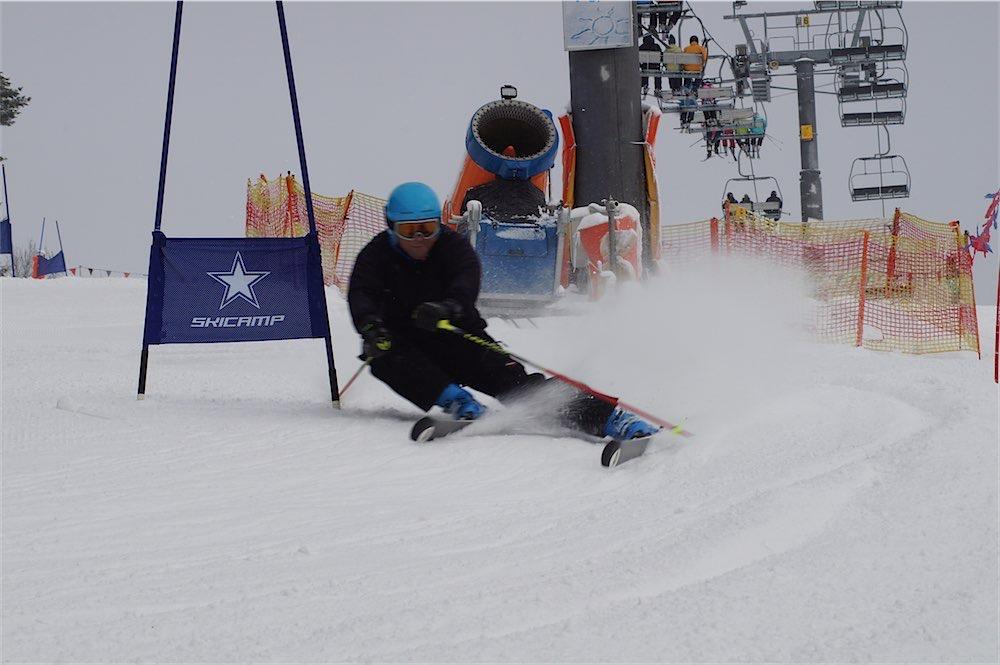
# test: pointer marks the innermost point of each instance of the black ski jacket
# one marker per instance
(388, 285)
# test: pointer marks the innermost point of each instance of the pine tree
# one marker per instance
(11, 101)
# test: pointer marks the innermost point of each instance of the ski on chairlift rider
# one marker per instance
(418, 273)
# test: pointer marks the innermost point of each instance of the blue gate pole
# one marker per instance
(144, 358)
(59, 235)
(331, 368)
(6, 202)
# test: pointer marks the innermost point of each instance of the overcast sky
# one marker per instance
(386, 91)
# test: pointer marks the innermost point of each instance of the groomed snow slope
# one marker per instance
(835, 504)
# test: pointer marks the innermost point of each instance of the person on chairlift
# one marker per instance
(675, 81)
(649, 44)
(774, 198)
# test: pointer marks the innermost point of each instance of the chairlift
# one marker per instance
(862, 54)
(877, 116)
(772, 209)
(848, 5)
(670, 14)
(708, 99)
(879, 177)
(681, 59)
(718, 96)
(884, 43)
(891, 83)
(646, 7)
(739, 120)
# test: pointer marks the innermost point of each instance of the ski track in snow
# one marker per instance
(834, 505)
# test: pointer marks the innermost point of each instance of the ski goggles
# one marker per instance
(421, 228)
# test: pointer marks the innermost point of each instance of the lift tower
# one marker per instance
(604, 99)
(833, 33)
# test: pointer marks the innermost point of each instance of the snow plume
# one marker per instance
(723, 333)
(690, 342)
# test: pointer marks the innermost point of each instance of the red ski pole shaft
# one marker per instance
(579, 385)
(366, 363)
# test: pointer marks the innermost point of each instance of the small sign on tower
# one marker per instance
(597, 24)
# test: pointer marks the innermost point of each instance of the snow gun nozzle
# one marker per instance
(445, 324)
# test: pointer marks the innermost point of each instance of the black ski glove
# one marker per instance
(377, 340)
(427, 315)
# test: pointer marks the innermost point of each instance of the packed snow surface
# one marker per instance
(834, 504)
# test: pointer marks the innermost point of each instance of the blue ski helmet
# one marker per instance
(410, 202)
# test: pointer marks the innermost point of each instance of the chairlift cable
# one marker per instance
(753, 176)
(705, 31)
(881, 182)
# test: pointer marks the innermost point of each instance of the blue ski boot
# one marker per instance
(623, 425)
(459, 403)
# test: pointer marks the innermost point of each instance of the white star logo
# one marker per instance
(238, 282)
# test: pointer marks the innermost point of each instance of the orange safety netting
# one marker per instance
(277, 209)
(891, 285)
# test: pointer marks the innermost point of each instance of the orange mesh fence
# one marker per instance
(277, 209)
(898, 285)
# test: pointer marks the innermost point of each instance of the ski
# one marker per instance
(614, 453)
(429, 428)
(618, 452)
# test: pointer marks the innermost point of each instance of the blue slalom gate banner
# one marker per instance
(6, 244)
(234, 290)
(44, 266)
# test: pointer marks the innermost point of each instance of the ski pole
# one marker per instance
(579, 385)
(366, 363)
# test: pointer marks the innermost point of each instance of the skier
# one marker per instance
(696, 48)
(649, 44)
(417, 273)
(778, 203)
(675, 81)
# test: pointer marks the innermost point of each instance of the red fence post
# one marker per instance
(996, 337)
(890, 266)
(291, 207)
(861, 291)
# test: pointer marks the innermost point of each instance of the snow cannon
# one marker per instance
(513, 140)
(499, 203)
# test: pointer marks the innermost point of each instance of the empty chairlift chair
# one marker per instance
(855, 54)
(846, 5)
(879, 177)
(891, 48)
(884, 40)
(876, 115)
(891, 83)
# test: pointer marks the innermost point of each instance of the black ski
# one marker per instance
(429, 428)
(618, 452)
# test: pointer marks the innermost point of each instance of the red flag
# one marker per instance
(992, 210)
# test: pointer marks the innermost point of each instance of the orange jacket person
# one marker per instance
(695, 47)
